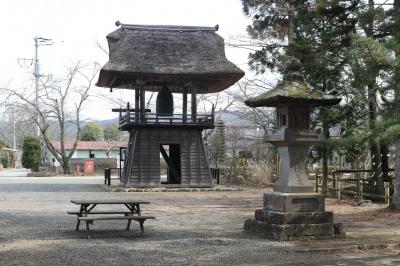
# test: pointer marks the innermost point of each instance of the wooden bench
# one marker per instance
(78, 213)
(94, 217)
(87, 213)
(100, 212)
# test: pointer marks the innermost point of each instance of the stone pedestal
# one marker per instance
(292, 176)
(294, 202)
(294, 216)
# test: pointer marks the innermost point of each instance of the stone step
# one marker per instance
(294, 231)
(273, 217)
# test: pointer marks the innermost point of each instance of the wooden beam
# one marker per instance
(128, 113)
(137, 108)
(169, 163)
(184, 105)
(142, 103)
(116, 110)
(213, 114)
(194, 106)
(142, 100)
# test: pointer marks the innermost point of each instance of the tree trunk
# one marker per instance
(65, 166)
(325, 152)
(396, 83)
(65, 169)
(384, 149)
(376, 173)
(396, 196)
(376, 186)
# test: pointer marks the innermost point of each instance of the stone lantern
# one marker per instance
(293, 211)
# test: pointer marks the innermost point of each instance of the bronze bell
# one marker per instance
(165, 101)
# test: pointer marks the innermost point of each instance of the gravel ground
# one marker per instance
(198, 228)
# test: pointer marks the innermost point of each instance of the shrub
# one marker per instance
(112, 133)
(31, 153)
(258, 174)
(4, 161)
(91, 132)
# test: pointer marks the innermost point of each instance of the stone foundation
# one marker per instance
(294, 216)
(294, 202)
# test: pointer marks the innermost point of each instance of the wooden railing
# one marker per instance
(215, 173)
(354, 185)
(132, 118)
(129, 118)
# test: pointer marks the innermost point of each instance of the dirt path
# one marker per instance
(201, 228)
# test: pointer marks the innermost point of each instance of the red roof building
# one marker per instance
(92, 149)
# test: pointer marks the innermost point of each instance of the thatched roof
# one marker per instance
(292, 92)
(180, 56)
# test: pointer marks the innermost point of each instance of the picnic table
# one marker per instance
(87, 212)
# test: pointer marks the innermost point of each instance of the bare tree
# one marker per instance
(60, 103)
(220, 101)
(262, 117)
(235, 142)
(120, 97)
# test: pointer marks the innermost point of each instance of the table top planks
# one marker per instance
(109, 201)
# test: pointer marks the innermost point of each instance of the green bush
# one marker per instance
(91, 132)
(31, 153)
(112, 133)
(4, 161)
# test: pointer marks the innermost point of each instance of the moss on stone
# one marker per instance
(292, 92)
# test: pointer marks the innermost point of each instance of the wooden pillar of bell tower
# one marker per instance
(137, 105)
(194, 106)
(142, 104)
(184, 105)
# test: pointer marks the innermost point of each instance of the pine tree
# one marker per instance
(216, 146)
(31, 153)
(346, 49)
(317, 33)
(396, 87)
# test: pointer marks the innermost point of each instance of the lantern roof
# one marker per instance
(292, 90)
(183, 57)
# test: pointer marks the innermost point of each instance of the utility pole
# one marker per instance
(39, 41)
(14, 138)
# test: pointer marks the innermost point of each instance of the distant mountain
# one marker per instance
(107, 122)
(103, 123)
(234, 119)
(229, 118)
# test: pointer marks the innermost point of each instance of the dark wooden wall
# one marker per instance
(142, 165)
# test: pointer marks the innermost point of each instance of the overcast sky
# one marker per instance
(76, 25)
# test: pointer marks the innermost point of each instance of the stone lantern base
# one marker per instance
(294, 216)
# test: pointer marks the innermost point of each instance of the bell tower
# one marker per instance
(169, 60)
